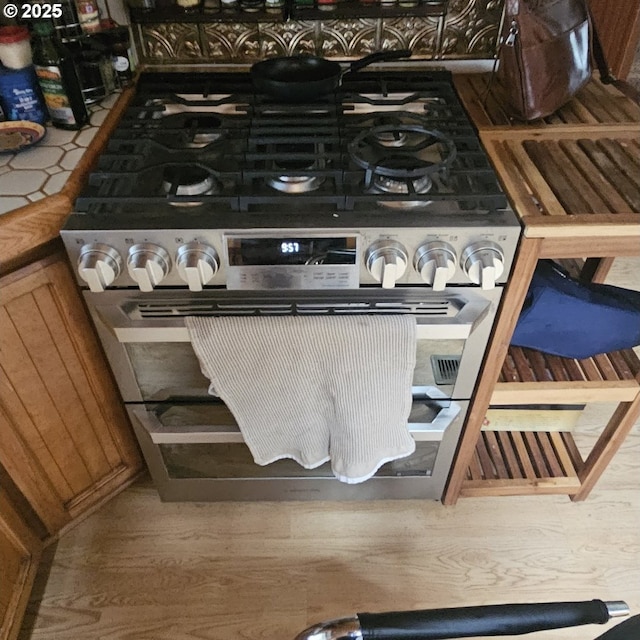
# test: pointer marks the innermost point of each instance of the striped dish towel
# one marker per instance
(314, 388)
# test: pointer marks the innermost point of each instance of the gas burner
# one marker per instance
(189, 180)
(393, 137)
(403, 185)
(201, 130)
(291, 182)
(431, 150)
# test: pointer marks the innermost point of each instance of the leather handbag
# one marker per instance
(544, 57)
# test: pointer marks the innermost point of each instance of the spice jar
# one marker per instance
(189, 6)
(88, 15)
(274, 6)
(67, 24)
(15, 47)
(120, 40)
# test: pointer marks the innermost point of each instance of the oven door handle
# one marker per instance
(459, 327)
(187, 434)
(227, 430)
(179, 333)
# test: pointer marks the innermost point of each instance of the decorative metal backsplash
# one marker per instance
(468, 30)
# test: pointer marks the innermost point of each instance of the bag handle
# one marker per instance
(606, 76)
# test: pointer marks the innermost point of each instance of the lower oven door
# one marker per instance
(148, 347)
(195, 451)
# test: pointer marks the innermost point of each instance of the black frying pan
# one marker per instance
(300, 78)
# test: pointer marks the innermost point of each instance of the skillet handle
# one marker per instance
(490, 620)
(380, 56)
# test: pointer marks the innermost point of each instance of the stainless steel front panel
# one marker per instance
(465, 232)
(222, 468)
(149, 351)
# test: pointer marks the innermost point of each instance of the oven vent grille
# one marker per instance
(445, 368)
(442, 308)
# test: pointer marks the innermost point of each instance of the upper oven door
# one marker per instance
(149, 350)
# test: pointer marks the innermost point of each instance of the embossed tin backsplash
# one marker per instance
(467, 31)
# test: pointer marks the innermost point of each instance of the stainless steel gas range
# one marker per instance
(212, 200)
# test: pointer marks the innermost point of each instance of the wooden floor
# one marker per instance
(142, 570)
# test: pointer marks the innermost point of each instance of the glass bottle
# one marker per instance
(58, 79)
(119, 40)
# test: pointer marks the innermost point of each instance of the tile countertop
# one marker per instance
(38, 186)
(44, 169)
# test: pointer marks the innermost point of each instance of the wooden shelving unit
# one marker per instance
(572, 179)
(546, 461)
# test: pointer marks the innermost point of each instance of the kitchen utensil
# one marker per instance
(19, 134)
(300, 78)
(466, 622)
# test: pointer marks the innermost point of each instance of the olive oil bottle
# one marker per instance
(58, 79)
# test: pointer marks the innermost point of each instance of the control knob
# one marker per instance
(148, 264)
(197, 263)
(436, 262)
(99, 265)
(386, 261)
(483, 262)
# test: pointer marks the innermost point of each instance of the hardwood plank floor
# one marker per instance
(143, 570)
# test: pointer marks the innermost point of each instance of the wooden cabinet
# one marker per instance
(66, 442)
(570, 179)
(618, 25)
(20, 551)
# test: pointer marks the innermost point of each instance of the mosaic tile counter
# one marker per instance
(39, 185)
(43, 170)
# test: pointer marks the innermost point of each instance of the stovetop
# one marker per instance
(206, 183)
(385, 148)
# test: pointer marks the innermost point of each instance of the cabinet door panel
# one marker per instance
(57, 398)
(20, 552)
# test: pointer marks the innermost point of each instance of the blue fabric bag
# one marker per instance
(571, 319)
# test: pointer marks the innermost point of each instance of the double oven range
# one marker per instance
(210, 199)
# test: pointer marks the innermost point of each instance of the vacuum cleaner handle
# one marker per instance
(490, 620)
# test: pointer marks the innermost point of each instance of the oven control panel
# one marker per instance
(291, 260)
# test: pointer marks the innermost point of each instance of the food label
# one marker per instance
(19, 96)
(120, 63)
(55, 96)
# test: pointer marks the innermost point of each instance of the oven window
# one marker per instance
(436, 366)
(202, 440)
(234, 460)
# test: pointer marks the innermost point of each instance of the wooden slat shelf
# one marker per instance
(595, 104)
(586, 180)
(542, 462)
(530, 377)
(514, 462)
(572, 179)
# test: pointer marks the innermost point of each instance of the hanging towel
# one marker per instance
(314, 388)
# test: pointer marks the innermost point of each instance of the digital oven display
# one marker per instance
(291, 251)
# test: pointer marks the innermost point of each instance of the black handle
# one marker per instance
(380, 56)
(491, 620)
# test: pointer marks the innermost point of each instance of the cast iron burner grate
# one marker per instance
(370, 151)
(414, 145)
